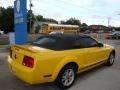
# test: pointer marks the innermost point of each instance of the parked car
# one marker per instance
(58, 58)
(56, 33)
(114, 35)
(1, 32)
(87, 32)
(100, 31)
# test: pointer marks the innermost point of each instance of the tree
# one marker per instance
(37, 28)
(72, 21)
(117, 28)
(62, 22)
(40, 18)
(7, 19)
(84, 27)
(31, 16)
(50, 20)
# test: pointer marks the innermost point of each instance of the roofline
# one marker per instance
(81, 35)
(61, 25)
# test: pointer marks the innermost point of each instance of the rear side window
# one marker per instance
(47, 42)
(85, 42)
(53, 43)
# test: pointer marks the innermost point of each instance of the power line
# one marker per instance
(70, 4)
(64, 2)
(59, 6)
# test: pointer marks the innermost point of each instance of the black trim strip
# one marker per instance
(47, 75)
(91, 65)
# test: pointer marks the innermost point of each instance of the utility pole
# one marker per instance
(31, 16)
(109, 21)
(0, 12)
(109, 18)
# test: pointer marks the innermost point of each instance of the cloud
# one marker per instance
(115, 23)
(6, 3)
(88, 11)
(112, 1)
(82, 3)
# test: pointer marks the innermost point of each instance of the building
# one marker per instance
(98, 28)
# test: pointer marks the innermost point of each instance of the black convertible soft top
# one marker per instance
(68, 37)
(58, 41)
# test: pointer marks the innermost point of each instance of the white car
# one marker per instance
(114, 35)
(55, 33)
(1, 32)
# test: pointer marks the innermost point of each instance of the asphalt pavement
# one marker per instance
(101, 78)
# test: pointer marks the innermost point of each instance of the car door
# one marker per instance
(80, 52)
(94, 53)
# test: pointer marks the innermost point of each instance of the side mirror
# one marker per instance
(100, 45)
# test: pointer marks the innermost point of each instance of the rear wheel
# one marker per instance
(111, 59)
(66, 77)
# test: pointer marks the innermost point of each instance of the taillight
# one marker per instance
(28, 61)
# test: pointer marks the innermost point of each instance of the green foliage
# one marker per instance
(31, 16)
(50, 20)
(72, 21)
(37, 29)
(40, 18)
(84, 27)
(7, 19)
(117, 28)
(63, 22)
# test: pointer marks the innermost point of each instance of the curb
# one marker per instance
(4, 47)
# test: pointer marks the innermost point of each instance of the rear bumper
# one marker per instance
(27, 75)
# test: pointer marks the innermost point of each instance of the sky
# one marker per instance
(87, 11)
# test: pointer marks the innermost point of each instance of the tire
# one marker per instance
(66, 77)
(111, 59)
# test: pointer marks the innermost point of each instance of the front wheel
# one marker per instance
(66, 77)
(111, 59)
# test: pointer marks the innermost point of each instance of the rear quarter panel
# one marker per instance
(51, 63)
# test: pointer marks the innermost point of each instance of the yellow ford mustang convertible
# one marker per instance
(58, 58)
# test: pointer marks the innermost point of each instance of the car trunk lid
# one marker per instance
(19, 52)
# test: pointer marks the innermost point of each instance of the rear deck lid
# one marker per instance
(18, 52)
